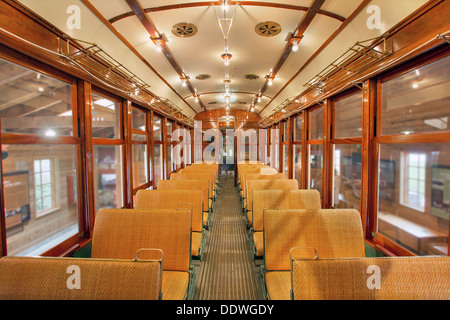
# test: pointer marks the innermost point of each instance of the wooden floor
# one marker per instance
(227, 271)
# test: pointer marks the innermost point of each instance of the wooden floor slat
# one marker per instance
(227, 271)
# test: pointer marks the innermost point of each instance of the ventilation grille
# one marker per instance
(251, 77)
(203, 77)
(268, 29)
(184, 30)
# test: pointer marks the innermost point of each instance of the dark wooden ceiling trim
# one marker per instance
(154, 34)
(130, 46)
(242, 3)
(363, 4)
(298, 34)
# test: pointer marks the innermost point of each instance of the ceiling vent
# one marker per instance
(268, 29)
(251, 77)
(184, 30)
(203, 77)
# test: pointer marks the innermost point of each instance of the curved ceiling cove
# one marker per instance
(253, 56)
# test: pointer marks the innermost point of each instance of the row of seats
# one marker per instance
(140, 253)
(289, 231)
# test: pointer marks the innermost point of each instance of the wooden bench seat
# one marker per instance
(191, 185)
(175, 199)
(257, 176)
(281, 199)
(51, 278)
(266, 184)
(197, 176)
(387, 278)
(333, 232)
(119, 233)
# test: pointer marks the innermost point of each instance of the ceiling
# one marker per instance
(124, 28)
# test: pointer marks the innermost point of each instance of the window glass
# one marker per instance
(169, 131)
(298, 128)
(169, 158)
(285, 126)
(316, 124)
(316, 167)
(108, 176)
(138, 119)
(139, 156)
(298, 163)
(158, 158)
(414, 195)
(347, 176)
(157, 132)
(348, 117)
(39, 183)
(417, 101)
(33, 103)
(105, 117)
(286, 160)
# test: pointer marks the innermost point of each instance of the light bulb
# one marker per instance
(269, 82)
(295, 47)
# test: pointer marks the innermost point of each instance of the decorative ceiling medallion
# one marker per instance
(184, 29)
(203, 76)
(251, 76)
(268, 29)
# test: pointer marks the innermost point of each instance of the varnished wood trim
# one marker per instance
(218, 3)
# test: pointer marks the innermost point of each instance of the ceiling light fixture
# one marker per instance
(226, 58)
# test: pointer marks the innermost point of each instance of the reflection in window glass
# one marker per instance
(169, 131)
(347, 176)
(274, 147)
(316, 167)
(316, 124)
(105, 117)
(417, 101)
(348, 117)
(298, 163)
(139, 156)
(138, 119)
(108, 176)
(157, 125)
(286, 160)
(158, 158)
(44, 184)
(405, 172)
(38, 180)
(169, 162)
(285, 126)
(33, 103)
(413, 184)
(298, 128)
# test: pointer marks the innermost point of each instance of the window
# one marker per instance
(346, 145)
(413, 158)
(413, 180)
(107, 140)
(40, 160)
(158, 166)
(417, 101)
(44, 186)
(139, 150)
(315, 144)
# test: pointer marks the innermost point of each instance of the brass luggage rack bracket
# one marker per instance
(360, 56)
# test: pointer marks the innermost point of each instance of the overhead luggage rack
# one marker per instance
(98, 62)
(101, 65)
(359, 57)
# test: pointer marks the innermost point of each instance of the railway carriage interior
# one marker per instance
(225, 150)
